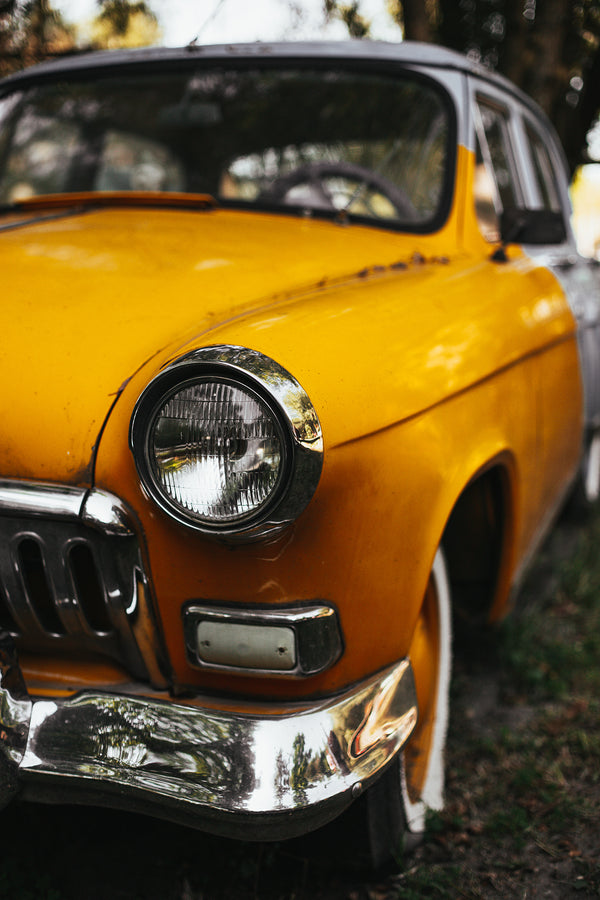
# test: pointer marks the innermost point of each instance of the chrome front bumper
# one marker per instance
(257, 776)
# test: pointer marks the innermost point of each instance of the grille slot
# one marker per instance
(7, 623)
(35, 583)
(69, 588)
(88, 587)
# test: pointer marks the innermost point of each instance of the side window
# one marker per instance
(487, 200)
(543, 170)
(496, 184)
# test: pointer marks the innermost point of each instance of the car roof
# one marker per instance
(403, 52)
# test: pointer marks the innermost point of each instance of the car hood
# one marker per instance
(90, 296)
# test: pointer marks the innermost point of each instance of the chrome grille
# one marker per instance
(68, 586)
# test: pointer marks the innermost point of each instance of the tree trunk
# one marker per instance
(575, 142)
(516, 57)
(547, 77)
(417, 26)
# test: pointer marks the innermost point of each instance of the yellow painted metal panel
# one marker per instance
(422, 375)
(89, 298)
(425, 360)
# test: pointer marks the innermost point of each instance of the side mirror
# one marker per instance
(532, 226)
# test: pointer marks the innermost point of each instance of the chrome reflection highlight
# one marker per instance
(28, 498)
(384, 716)
(227, 442)
(105, 512)
(15, 715)
(210, 768)
(40, 499)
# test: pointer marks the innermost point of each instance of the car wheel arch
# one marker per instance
(478, 542)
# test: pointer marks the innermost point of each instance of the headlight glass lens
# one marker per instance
(217, 451)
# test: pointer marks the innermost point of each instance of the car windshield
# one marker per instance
(329, 141)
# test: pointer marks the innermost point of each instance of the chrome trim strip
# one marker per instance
(38, 498)
(215, 769)
(296, 412)
(316, 629)
(105, 512)
(99, 509)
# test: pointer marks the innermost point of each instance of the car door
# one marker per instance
(579, 276)
(516, 175)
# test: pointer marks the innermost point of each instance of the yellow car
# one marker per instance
(298, 362)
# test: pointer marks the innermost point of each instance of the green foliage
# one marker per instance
(30, 32)
(350, 15)
(512, 822)
(124, 23)
(435, 882)
(550, 647)
(120, 12)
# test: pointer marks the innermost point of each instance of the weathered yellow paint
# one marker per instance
(425, 360)
(422, 375)
(93, 296)
(68, 676)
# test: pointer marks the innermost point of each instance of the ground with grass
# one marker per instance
(523, 794)
(523, 812)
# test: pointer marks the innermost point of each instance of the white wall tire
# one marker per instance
(591, 470)
(397, 804)
(431, 795)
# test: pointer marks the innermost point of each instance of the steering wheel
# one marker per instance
(315, 175)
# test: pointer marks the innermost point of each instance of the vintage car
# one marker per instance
(299, 361)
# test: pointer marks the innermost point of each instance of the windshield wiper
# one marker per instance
(32, 216)
(58, 206)
(94, 199)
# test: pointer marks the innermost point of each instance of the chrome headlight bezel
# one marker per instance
(286, 402)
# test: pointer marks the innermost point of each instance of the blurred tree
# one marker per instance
(349, 14)
(549, 48)
(31, 32)
(124, 23)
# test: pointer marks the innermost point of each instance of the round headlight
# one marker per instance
(216, 450)
(227, 442)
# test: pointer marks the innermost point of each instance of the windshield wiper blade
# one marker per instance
(95, 199)
(59, 206)
(29, 217)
